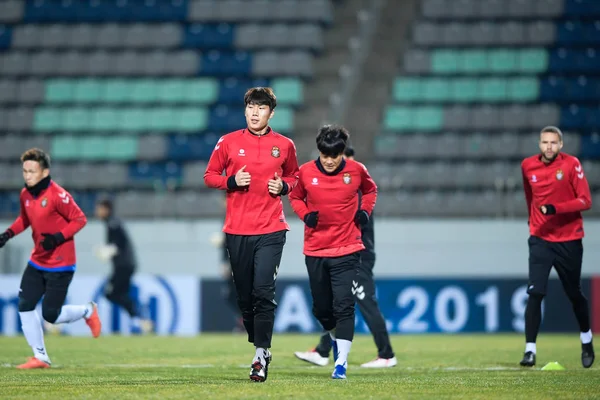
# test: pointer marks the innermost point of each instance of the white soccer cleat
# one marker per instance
(312, 357)
(381, 363)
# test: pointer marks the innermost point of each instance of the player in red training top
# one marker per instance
(54, 219)
(260, 166)
(327, 200)
(556, 191)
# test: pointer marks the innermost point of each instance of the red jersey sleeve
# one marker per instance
(368, 189)
(22, 221)
(583, 197)
(526, 188)
(70, 211)
(290, 168)
(298, 200)
(213, 177)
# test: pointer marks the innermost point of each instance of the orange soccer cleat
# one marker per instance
(33, 363)
(93, 321)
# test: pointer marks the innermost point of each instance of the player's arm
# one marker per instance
(213, 176)
(581, 187)
(298, 202)
(368, 189)
(290, 171)
(527, 189)
(19, 225)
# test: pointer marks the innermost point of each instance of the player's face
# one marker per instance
(257, 117)
(101, 212)
(329, 163)
(550, 145)
(33, 173)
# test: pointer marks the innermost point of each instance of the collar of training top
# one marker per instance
(36, 189)
(256, 134)
(335, 172)
(560, 156)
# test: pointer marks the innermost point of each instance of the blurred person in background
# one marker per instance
(260, 166)
(556, 192)
(119, 251)
(55, 219)
(367, 304)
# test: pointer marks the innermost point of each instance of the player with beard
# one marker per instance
(556, 191)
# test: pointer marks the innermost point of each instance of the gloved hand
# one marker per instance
(548, 209)
(5, 237)
(52, 240)
(311, 219)
(361, 218)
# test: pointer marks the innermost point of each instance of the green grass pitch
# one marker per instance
(217, 366)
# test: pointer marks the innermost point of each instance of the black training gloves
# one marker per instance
(550, 209)
(361, 217)
(52, 241)
(311, 219)
(5, 237)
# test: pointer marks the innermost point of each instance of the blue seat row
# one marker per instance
(209, 36)
(570, 90)
(143, 172)
(218, 63)
(190, 147)
(576, 117)
(106, 10)
(576, 33)
(582, 8)
(575, 60)
(590, 146)
(5, 37)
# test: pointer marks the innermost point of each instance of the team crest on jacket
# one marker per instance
(44, 202)
(347, 178)
(275, 152)
(559, 174)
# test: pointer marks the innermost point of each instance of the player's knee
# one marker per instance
(245, 306)
(50, 314)
(535, 299)
(26, 305)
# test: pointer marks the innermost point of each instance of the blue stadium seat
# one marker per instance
(218, 63)
(150, 173)
(5, 37)
(576, 33)
(209, 36)
(86, 200)
(191, 147)
(579, 90)
(232, 90)
(553, 89)
(582, 8)
(226, 119)
(569, 61)
(590, 146)
(573, 117)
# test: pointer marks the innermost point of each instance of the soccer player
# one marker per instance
(54, 218)
(260, 166)
(119, 250)
(327, 200)
(556, 191)
(367, 304)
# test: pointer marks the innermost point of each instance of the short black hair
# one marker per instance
(349, 152)
(106, 202)
(37, 155)
(332, 140)
(262, 96)
(553, 129)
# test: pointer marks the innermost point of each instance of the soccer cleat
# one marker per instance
(381, 363)
(334, 348)
(312, 357)
(93, 321)
(260, 372)
(587, 355)
(528, 359)
(33, 363)
(339, 372)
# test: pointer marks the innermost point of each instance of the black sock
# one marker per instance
(324, 346)
(533, 317)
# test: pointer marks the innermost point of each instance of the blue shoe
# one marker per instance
(335, 350)
(339, 372)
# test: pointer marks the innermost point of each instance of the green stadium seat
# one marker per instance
(502, 61)
(436, 90)
(445, 61)
(201, 91)
(523, 89)
(171, 91)
(532, 61)
(283, 120)
(122, 148)
(143, 91)
(191, 120)
(104, 119)
(94, 148)
(133, 120)
(428, 118)
(87, 91)
(162, 119)
(65, 148)
(77, 119)
(47, 119)
(397, 119)
(464, 90)
(493, 90)
(289, 91)
(115, 91)
(407, 89)
(59, 91)
(474, 62)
